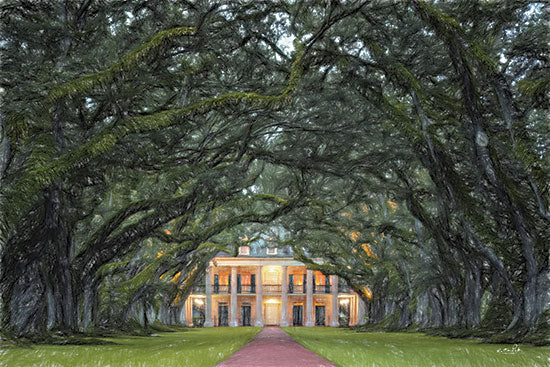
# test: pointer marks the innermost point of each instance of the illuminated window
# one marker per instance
(319, 278)
(245, 279)
(272, 251)
(224, 278)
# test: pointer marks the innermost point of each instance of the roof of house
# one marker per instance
(222, 254)
(267, 248)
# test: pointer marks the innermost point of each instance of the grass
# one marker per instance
(189, 348)
(348, 348)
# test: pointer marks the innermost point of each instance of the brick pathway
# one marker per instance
(272, 347)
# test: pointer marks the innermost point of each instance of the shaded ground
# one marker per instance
(273, 348)
(191, 348)
(347, 348)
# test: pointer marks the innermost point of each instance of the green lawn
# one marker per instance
(193, 347)
(348, 348)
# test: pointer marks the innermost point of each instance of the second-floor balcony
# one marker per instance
(272, 289)
(301, 289)
(220, 288)
(321, 288)
(246, 288)
(226, 288)
(296, 289)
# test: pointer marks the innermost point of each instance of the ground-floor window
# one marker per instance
(319, 315)
(343, 311)
(198, 314)
(245, 314)
(223, 314)
(297, 315)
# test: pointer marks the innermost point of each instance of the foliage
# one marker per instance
(404, 144)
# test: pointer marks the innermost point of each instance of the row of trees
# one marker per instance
(404, 143)
(454, 132)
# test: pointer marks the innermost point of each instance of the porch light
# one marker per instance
(344, 301)
(199, 301)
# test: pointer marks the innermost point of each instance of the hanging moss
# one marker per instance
(534, 87)
(111, 268)
(129, 62)
(487, 62)
(40, 176)
(443, 22)
(403, 72)
(401, 119)
(145, 276)
(17, 127)
(451, 30)
(269, 197)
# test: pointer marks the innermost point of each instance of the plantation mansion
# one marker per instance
(266, 286)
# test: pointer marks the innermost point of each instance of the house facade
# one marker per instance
(269, 287)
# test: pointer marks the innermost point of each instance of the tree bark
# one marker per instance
(36, 278)
(472, 295)
(5, 150)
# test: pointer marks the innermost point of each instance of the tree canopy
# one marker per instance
(404, 143)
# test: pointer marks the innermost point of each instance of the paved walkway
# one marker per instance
(272, 347)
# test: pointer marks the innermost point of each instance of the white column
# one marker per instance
(233, 309)
(310, 320)
(187, 313)
(284, 296)
(334, 299)
(208, 305)
(182, 317)
(361, 307)
(259, 296)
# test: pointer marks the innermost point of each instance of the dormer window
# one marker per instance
(272, 250)
(244, 250)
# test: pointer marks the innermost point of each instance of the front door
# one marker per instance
(245, 313)
(320, 315)
(272, 314)
(223, 315)
(297, 315)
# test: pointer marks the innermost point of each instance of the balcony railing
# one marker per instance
(324, 288)
(220, 289)
(226, 289)
(246, 289)
(271, 288)
(296, 289)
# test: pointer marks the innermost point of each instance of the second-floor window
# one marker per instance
(245, 278)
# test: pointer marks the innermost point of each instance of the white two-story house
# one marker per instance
(266, 286)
